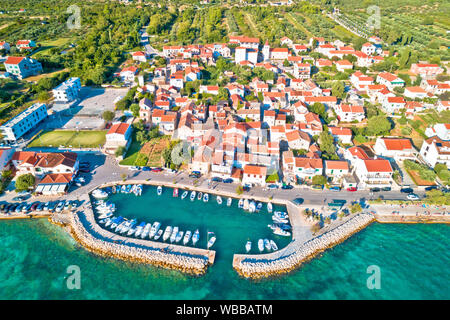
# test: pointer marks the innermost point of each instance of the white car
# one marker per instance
(412, 196)
(134, 168)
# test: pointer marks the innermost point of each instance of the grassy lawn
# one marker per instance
(152, 149)
(132, 152)
(81, 139)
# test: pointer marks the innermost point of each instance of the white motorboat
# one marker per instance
(211, 240)
(205, 197)
(193, 193)
(127, 226)
(195, 237)
(154, 230)
(200, 195)
(167, 233)
(219, 199)
(139, 229)
(179, 236)
(267, 244)
(280, 232)
(281, 214)
(273, 245)
(158, 234)
(248, 246)
(261, 245)
(280, 220)
(104, 221)
(187, 237)
(131, 231)
(229, 202)
(99, 194)
(121, 225)
(241, 204)
(105, 215)
(113, 222)
(252, 206)
(146, 230)
(159, 190)
(174, 234)
(246, 204)
(184, 195)
(269, 207)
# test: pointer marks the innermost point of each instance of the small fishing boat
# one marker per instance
(99, 194)
(280, 220)
(146, 231)
(205, 197)
(158, 234)
(267, 245)
(167, 233)
(184, 195)
(174, 234)
(248, 246)
(241, 204)
(193, 193)
(211, 240)
(259, 206)
(105, 215)
(104, 221)
(179, 236)
(281, 214)
(139, 229)
(273, 245)
(261, 245)
(175, 192)
(123, 189)
(200, 195)
(195, 237)
(252, 206)
(159, 190)
(187, 237)
(155, 229)
(281, 232)
(269, 207)
(229, 202)
(114, 189)
(246, 204)
(219, 199)
(128, 190)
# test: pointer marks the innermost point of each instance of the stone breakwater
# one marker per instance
(97, 240)
(259, 268)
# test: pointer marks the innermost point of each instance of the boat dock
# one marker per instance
(87, 232)
(301, 249)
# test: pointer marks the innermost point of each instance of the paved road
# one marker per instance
(148, 48)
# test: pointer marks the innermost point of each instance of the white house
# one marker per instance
(119, 135)
(22, 67)
(396, 148)
(415, 93)
(67, 91)
(307, 168)
(442, 130)
(254, 175)
(374, 173)
(390, 80)
(435, 150)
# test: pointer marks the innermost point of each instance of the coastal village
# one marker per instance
(277, 137)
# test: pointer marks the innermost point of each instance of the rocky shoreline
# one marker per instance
(263, 268)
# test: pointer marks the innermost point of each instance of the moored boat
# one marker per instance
(158, 234)
(167, 233)
(281, 232)
(139, 229)
(219, 199)
(205, 197)
(200, 195)
(269, 207)
(267, 244)
(187, 237)
(193, 193)
(184, 195)
(246, 204)
(146, 231)
(154, 229)
(104, 221)
(175, 192)
(261, 245)
(229, 202)
(159, 190)
(211, 240)
(273, 245)
(179, 236)
(248, 246)
(241, 204)
(99, 194)
(279, 220)
(174, 234)
(259, 206)
(195, 237)
(252, 206)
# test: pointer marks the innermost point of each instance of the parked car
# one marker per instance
(335, 188)
(19, 208)
(431, 188)
(157, 169)
(375, 189)
(406, 190)
(412, 196)
(352, 189)
(20, 198)
(34, 206)
(46, 206)
(60, 206)
(68, 205)
(40, 207)
(246, 188)
(134, 168)
(2, 207)
(287, 187)
(228, 180)
(272, 186)
(217, 179)
(386, 189)
(317, 186)
(146, 169)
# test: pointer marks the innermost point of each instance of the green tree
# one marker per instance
(108, 116)
(378, 125)
(319, 179)
(24, 182)
(326, 143)
(135, 110)
(338, 89)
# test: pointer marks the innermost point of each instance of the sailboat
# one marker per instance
(184, 195)
(248, 246)
(261, 245)
(219, 199)
(159, 190)
(229, 201)
(187, 237)
(211, 240)
(195, 237)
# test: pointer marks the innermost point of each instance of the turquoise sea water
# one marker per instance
(413, 260)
